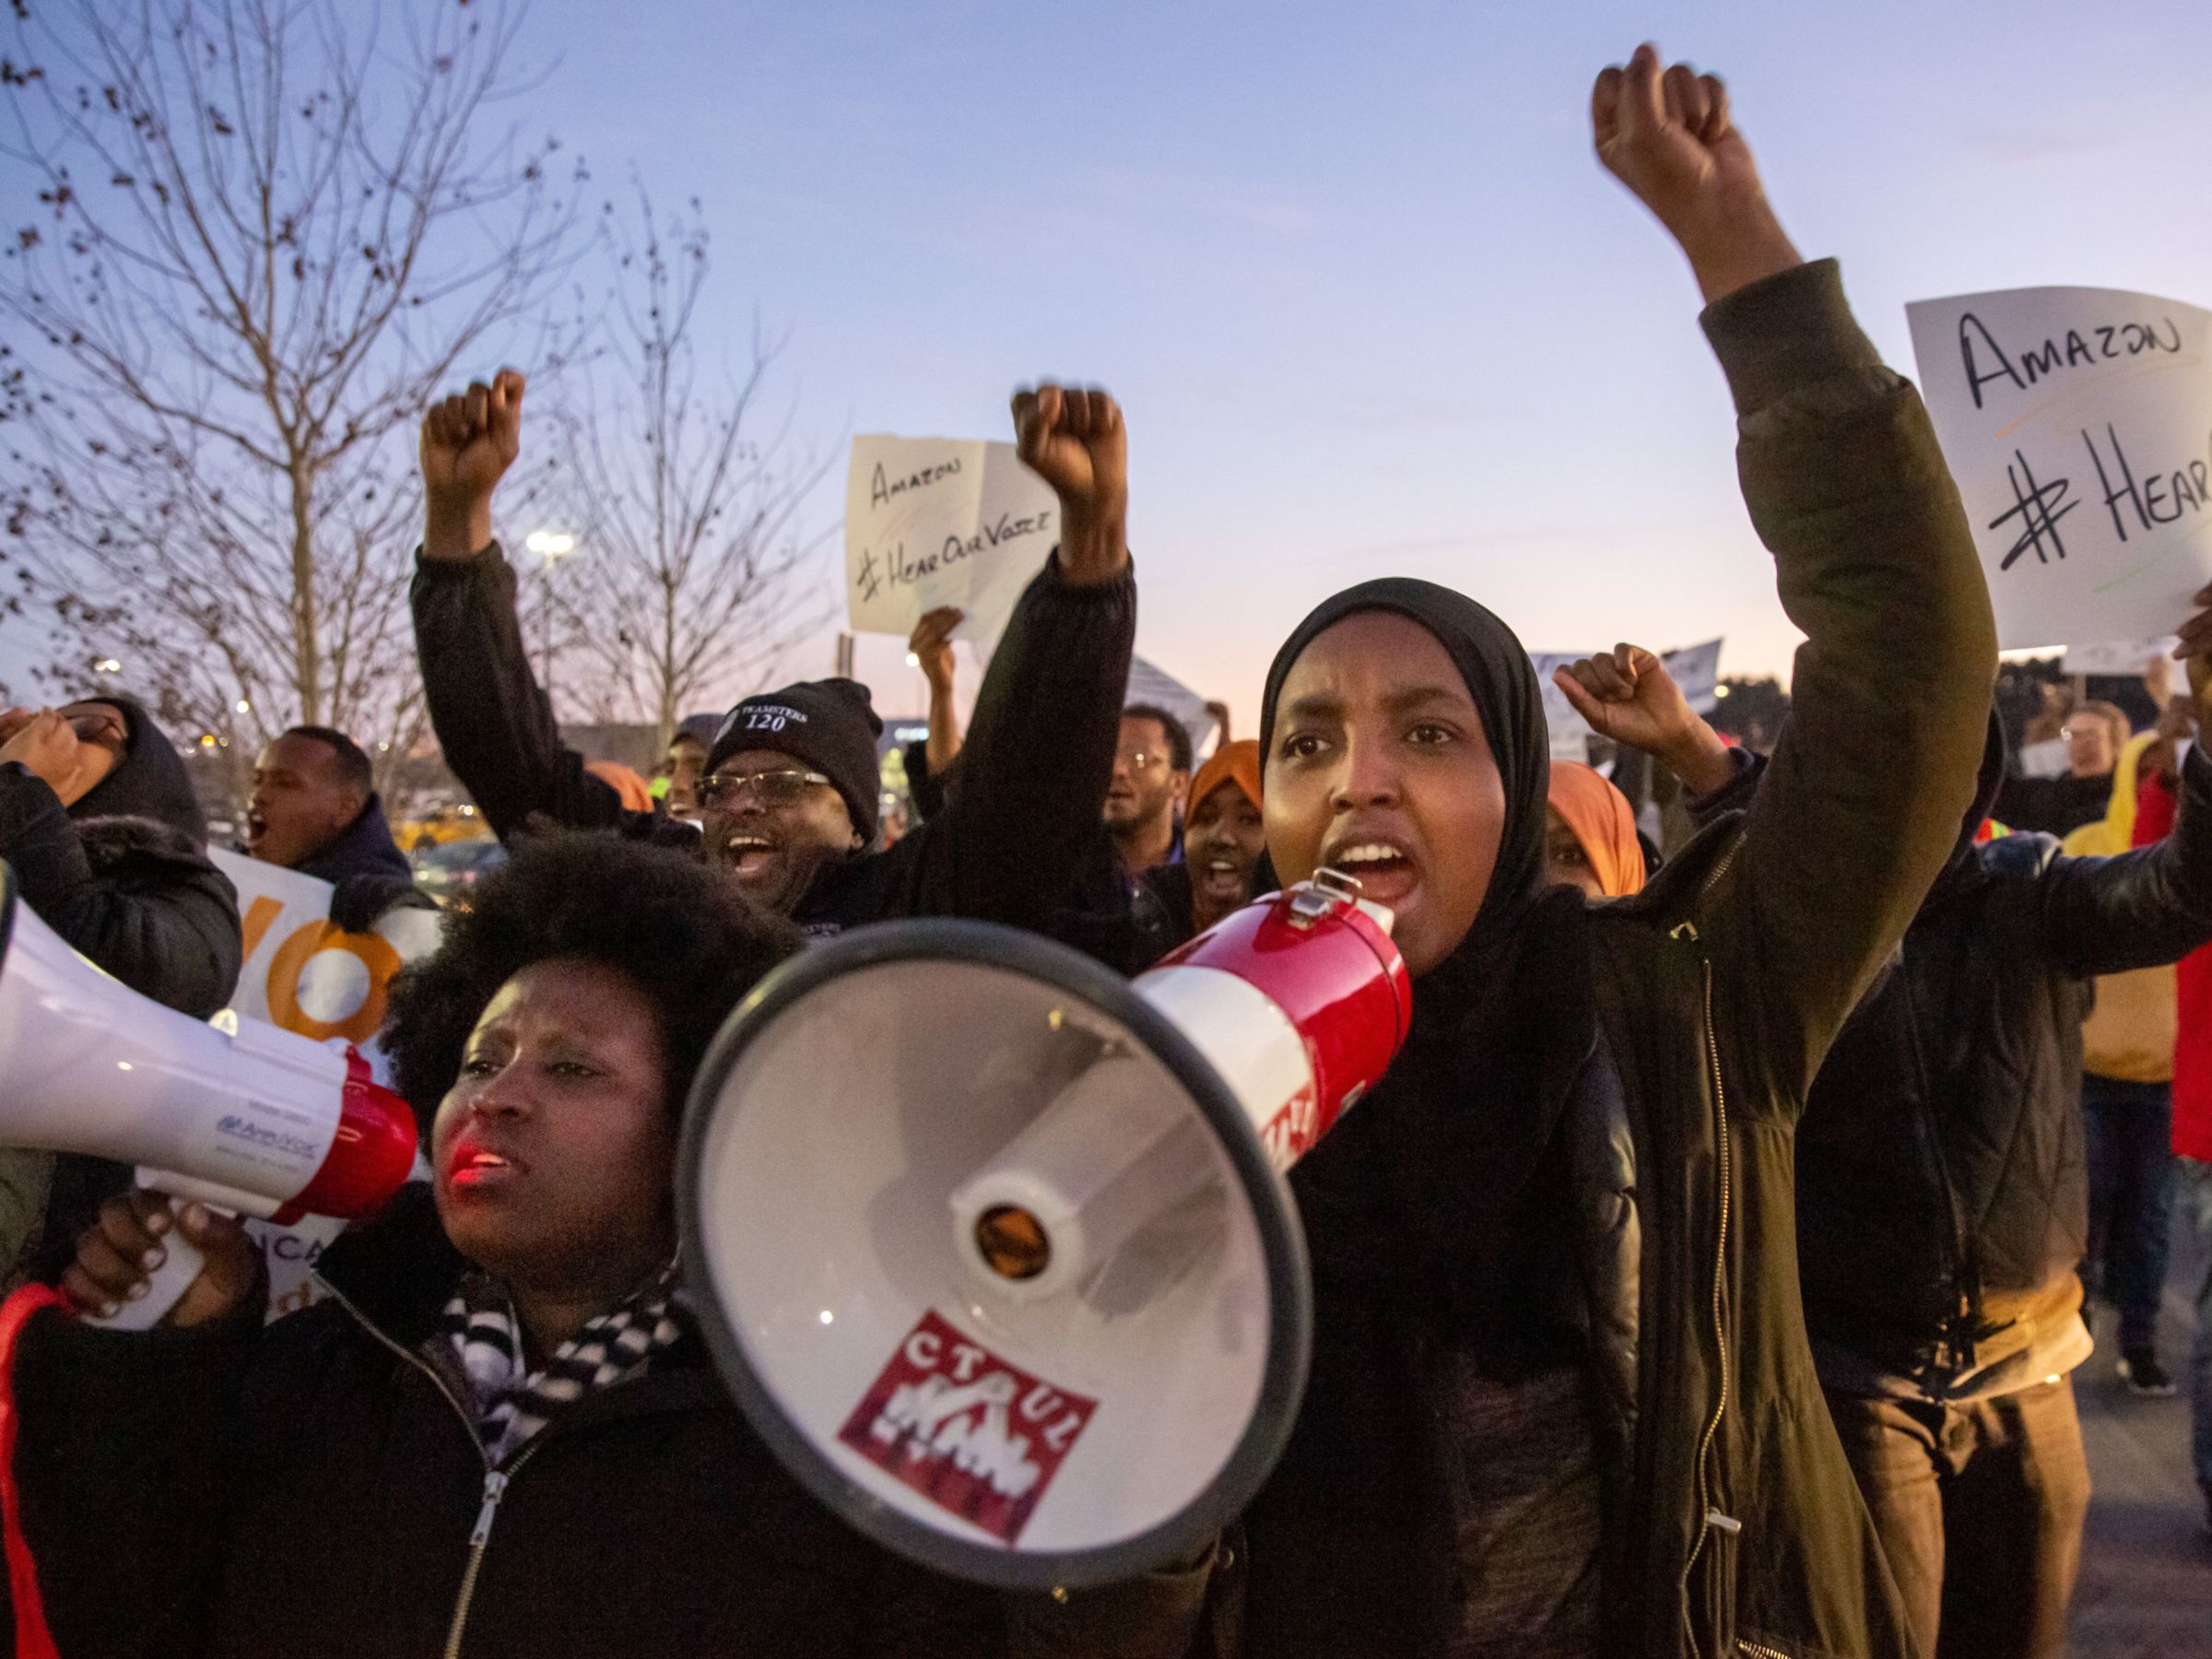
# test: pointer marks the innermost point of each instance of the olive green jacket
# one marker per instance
(1733, 1524)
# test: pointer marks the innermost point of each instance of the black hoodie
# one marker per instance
(122, 876)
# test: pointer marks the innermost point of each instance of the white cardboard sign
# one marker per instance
(2078, 424)
(942, 521)
(305, 974)
(1695, 668)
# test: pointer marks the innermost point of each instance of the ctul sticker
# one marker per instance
(977, 1437)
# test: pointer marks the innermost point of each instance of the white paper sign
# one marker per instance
(305, 974)
(2130, 657)
(942, 521)
(1695, 668)
(2078, 424)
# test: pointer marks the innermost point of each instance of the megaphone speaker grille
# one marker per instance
(1023, 1440)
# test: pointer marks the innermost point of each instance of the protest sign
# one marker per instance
(306, 974)
(1695, 668)
(942, 521)
(2076, 422)
(2130, 657)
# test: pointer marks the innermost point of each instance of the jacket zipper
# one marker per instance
(1757, 1652)
(495, 1488)
(494, 1479)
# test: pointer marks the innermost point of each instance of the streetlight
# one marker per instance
(107, 665)
(552, 547)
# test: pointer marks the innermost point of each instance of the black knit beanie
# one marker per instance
(828, 724)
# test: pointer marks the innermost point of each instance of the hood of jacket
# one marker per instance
(148, 779)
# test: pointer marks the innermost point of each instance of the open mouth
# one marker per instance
(1385, 871)
(747, 854)
(1222, 877)
(256, 827)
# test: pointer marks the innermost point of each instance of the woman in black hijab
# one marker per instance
(107, 845)
(1560, 1401)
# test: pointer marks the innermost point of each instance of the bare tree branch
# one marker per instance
(697, 573)
(253, 240)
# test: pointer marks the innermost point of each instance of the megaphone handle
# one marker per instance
(169, 1282)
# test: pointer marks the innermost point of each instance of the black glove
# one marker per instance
(357, 901)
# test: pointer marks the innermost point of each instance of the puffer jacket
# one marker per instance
(1942, 1197)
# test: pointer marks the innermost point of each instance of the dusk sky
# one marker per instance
(1370, 303)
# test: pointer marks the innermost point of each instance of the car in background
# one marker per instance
(439, 825)
(449, 871)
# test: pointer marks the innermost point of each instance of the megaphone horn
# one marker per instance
(994, 1247)
(237, 1113)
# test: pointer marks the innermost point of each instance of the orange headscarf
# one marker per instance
(1237, 763)
(1600, 817)
(637, 794)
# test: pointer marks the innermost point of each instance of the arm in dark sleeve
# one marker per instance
(2140, 908)
(1862, 800)
(1040, 754)
(491, 718)
(175, 940)
(123, 1463)
(1735, 795)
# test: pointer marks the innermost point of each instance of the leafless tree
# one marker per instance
(695, 572)
(264, 233)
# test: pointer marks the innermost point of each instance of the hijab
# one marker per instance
(1602, 822)
(1502, 682)
(148, 779)
(1237, 763)
(1425, 1192)
(1436, 1211)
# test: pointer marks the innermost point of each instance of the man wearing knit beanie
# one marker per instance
(816, 743)
(789, 794)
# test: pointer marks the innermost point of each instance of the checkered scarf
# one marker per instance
(512, 1405)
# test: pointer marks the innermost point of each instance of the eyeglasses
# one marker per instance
(1139, 761)
(781, 787)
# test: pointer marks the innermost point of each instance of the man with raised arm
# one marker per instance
(790, 791)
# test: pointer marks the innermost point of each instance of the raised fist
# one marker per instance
(1667, 136)
(1073, 438)
(1629, 696)
(469, 443)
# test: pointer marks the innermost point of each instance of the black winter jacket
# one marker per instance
(367, 871)
(134, 895)
(1941, 1194)
(309, 1488)
(1012, 842)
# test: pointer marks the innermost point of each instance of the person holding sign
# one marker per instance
(1560, 1398)
(790, 790)
(315, 809)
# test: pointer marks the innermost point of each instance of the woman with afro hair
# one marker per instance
(499, 1432)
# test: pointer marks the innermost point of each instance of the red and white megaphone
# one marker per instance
(232, 1112)
(994, 1247)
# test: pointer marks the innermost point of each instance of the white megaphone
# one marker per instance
(994, 1247)
(231, 1113)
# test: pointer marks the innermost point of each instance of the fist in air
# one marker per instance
(1073, 438)
(1667, 135)
(469, 443)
